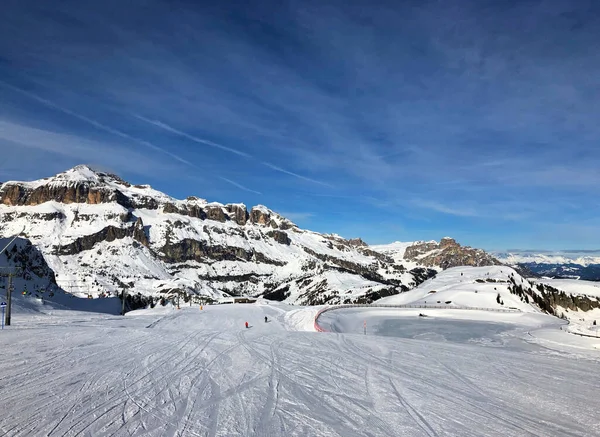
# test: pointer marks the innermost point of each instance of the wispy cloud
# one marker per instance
(240, 186)
(95, 123)
(296, 175)
(451, 210)
(74, 150)
(48, 144)
(193, 138)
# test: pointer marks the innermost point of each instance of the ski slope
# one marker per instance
(192, 372)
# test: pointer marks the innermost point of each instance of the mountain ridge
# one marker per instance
(95, 228)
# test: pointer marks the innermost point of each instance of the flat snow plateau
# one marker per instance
(192, 372)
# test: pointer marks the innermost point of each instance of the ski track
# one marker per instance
(201, 374)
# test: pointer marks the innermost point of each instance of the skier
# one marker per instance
(246, 325)
(266, 320)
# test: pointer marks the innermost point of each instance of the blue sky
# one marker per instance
(387, 120)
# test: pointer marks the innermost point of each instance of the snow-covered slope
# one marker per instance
(476, 287)
(101, 235)
(34, 291)
(502, 288)
(395, 249)
(165, 372)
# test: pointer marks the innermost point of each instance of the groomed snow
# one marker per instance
(192, 372)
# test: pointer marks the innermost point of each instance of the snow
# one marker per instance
(262, 208)
(584, 258)
(574, 286)
(192, 372)
(396, 248)
(460, 286)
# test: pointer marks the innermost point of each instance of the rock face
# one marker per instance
(280, 236)
(260, 215)
(448, 253)
(97, 229)
(27, 259)
(238, 213)
(215, 212)
(139, 233)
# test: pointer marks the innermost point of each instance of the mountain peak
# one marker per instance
(79, 173)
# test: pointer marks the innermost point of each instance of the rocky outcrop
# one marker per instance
(448, 253)
(421, 274)
(238, 212)
(15, 194)
(12, 194)
(141, 202)
(26, 260)
(187, 210)
(357, 242)
(19, 195)
(260, 215)
(188, 250)
(367, 272)
(109, 233)
(170, 208)
(215, 212)
(46, 216)
(280, 236)
(139, 232)
(195, 211)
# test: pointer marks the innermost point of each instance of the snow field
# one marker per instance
(192, 372)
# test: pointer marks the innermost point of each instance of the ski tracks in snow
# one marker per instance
(413, 413)
(203, 374)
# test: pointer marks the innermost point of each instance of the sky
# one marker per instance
(386, 120)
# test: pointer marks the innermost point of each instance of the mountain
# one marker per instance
(443, 255)
(575, 264)
(100, 235)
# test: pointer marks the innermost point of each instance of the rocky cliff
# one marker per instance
(448, 253)
(100, 234)
(443, 255)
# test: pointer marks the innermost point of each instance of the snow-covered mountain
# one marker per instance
(443, 255)
(556, 264)
(100, 235)
(582, 258)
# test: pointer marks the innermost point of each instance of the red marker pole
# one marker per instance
(365, 327)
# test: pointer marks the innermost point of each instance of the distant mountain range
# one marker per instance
(577, 264)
